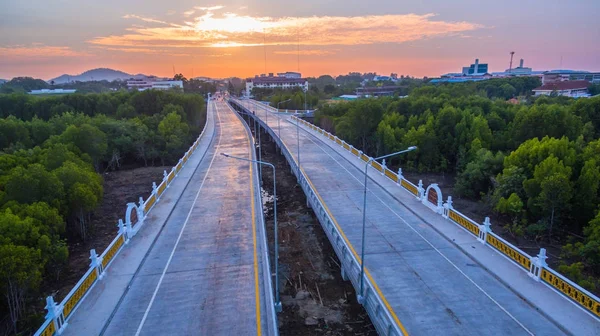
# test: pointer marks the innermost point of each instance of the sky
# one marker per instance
(223, 38)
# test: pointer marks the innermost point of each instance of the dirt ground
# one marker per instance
(120, 187)
(315, 299)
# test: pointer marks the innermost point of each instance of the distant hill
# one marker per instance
(2, 81)
(22, 85)
(96, 75)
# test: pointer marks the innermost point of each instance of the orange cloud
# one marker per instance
(133, 16)
(233, 30)
(37, 50)
(306, 52)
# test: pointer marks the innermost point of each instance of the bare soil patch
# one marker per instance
(120, 188)
(315, 299)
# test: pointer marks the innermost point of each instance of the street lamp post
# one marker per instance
(360, 296)
(298, 144)
(281, 102)
(278, 307)
(305, 89)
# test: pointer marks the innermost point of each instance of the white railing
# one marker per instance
(58, 314)
(536, 267)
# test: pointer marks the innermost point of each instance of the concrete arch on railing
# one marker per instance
(433, 198)
(133, 217)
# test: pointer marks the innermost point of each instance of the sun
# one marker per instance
(233, 23)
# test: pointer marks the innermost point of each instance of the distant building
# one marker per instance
(284, 81)
(346, 97)
(145, 84)
(475, 69)
(574, 89)
(475, 72)
(459, 79)
(520, 70)
(50, 92)
(382, 78)
(554, 76)
(289, 74)
(377, 91)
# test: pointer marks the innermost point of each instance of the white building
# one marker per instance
(570, 75)
(574, 89)
(271, 82)
(145, 84)
(49, 92)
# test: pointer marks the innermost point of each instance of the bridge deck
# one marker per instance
(432, 285)
(196, 268)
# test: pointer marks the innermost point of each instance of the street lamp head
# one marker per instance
(412, 148)
(225, 154)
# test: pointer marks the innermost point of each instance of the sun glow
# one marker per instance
(232, 23)
(224, 30)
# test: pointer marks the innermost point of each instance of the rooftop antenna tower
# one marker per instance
(173, 69)
(512, 53)
(560, 67)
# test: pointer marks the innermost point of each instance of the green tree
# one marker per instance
(20, 275)
(83, 193)
(125, 111)
(590, 249)
(89, 139)
(477, 176)
(174, 134)
(550, 190)
(33, 184)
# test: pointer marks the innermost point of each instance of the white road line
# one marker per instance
(425, 239)
(162, 276)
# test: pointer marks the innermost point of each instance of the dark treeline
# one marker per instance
(52, 153)
(26, 84)
(535, 161)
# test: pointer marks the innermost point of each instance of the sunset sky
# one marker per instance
(44, 39)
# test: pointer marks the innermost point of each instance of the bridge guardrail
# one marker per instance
(535, 266)
(375, 304)
(266, 265)
(58, 314)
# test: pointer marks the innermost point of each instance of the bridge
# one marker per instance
(193, 259)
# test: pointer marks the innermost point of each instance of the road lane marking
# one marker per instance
(422, 237)
(162, 276)
(375, 286)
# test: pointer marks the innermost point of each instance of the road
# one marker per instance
(204, 271)
(431, 285)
